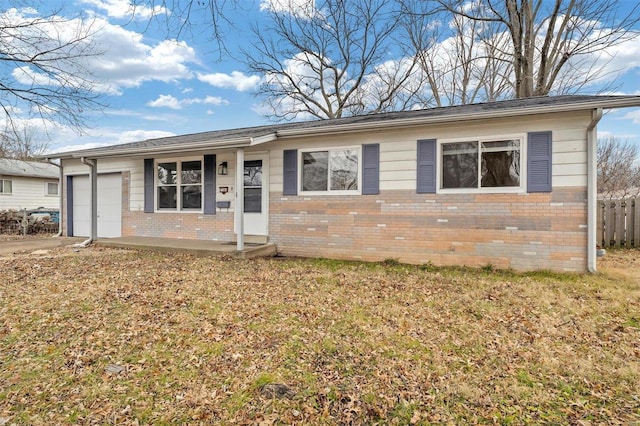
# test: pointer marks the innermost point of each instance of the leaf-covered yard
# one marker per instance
(102, 336)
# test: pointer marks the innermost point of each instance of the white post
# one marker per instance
(239, 211)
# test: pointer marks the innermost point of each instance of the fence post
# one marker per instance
(600, 223)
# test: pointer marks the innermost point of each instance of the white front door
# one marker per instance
(256, 194)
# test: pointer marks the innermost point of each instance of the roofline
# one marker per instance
(31, 175)
(416, 121)
(594, 103)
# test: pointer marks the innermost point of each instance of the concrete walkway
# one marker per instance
(30, 244)
(165, 245)
(197, 247)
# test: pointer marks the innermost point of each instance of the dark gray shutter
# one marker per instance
(290, 172)
(371, 169)
(148, 185)
(426, 171)
(69, 206)
(209, 194)
(539, 155)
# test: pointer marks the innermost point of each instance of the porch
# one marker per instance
(197, 247)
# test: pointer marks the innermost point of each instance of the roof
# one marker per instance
(11, 167)
(250, 136)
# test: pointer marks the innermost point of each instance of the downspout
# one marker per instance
(592, 200)
(93, 178)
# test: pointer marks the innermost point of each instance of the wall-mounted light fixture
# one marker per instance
(223, 189)
(222, 168)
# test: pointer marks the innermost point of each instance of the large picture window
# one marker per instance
(179, 185)
(330, 170)
(481, 164)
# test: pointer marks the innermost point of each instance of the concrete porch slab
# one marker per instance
(197, 247)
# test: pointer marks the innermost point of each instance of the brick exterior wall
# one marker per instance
(194, 226)
(523, 232)
(519, 231)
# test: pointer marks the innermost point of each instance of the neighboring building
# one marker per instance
(28, 185)
(508, 183)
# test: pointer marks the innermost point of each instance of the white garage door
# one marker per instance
(109, 206)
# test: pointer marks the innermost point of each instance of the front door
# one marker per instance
(256, 194)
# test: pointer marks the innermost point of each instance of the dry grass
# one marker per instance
(104, 336)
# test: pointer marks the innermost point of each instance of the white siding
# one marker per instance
(133, 166)
(398, 147)
(28, 193)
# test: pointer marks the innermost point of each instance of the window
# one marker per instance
(482, 164)
(330, 170)
(52, 188)
(6, 186)
(179, 185)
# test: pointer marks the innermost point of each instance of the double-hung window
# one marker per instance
(179, 185)
(6, 186)
(51, 188)
(483, 165)
(332, 170)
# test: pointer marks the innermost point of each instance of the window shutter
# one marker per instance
(426, 172)
(539, 155)
(371, 169)
(148, 185)
(209, 189)
(290, 172)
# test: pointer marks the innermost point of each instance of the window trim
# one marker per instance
(46, 189)
(521, 189)
(357, 148)
(2, 181)
(178, 185)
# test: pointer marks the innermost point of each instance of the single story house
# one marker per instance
(28, 185)
(509, 183)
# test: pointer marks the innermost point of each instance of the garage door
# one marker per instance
(109, 206)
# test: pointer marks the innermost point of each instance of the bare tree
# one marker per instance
(44, 70)
(22, 143)
(331, 60)
(618, 169)
(184, 19)
(550, 41)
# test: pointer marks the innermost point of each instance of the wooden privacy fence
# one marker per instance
(619, 223)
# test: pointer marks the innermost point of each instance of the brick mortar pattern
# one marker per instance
(519, 231)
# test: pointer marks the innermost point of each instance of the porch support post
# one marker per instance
(239, 210)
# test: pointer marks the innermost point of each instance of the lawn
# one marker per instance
(103, 336)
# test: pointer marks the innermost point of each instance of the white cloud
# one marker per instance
(141, 135)
(633, 115)
(165, 101)
(169, 101)
(236, 80)
(116, 58)
(300, 8)
(125, 9)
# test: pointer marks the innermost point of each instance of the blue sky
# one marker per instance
(156, 86)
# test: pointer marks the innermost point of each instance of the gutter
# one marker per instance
(592, 183)
(94, 202)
